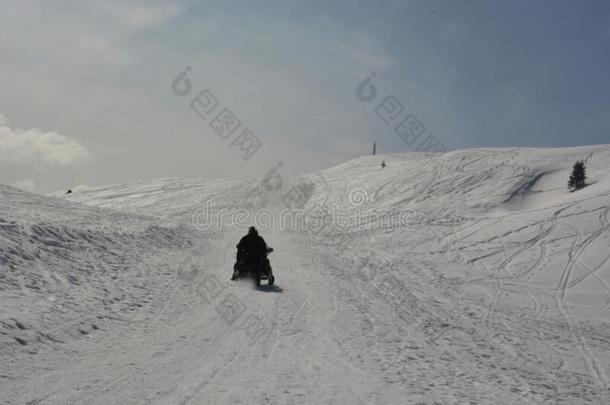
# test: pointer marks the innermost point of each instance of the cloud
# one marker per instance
(37, 146)
(139, 15)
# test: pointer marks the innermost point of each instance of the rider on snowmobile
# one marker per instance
(253, 248)
(252, 245)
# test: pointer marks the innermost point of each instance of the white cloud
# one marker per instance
(139, 15)
(37, 146)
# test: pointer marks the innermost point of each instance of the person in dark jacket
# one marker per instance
(252, 249)
(253, 246)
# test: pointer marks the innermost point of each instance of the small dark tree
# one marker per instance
(578, 178)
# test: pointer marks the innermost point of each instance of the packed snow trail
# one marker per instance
(495, 291)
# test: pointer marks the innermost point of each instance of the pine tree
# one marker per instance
(578, 177)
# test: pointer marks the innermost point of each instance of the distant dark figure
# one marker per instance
(383, 164)
(578, 178)
(69, 192)
(252, 245)
(252, 250)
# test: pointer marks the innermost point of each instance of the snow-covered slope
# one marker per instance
(494, 288)
(66, 267)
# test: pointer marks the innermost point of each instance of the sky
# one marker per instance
(91, 92)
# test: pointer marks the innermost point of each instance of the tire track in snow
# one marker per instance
(604, 226)
(592, 365)
(539, 238)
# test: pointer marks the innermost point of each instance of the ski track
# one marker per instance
(479, 300)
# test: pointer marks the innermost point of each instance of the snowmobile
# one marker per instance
(248, 266)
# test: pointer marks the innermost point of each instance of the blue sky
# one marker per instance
(87, 93)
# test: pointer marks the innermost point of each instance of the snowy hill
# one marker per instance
(492, 288)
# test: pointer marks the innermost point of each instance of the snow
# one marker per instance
(495, 289)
